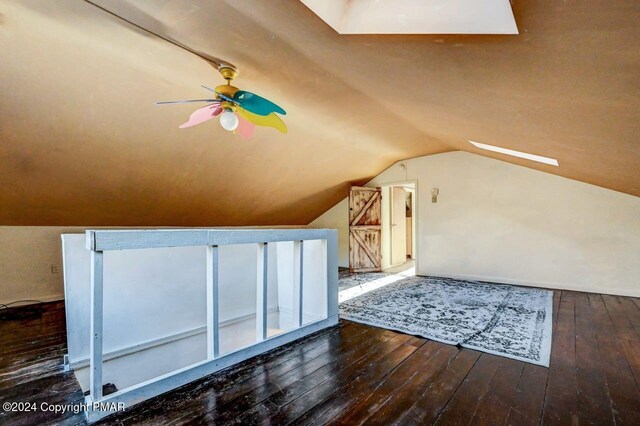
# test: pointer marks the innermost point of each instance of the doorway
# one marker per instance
(398, 226)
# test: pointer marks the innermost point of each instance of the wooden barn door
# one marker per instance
(365, 220)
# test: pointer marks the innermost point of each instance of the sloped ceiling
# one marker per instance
(82, 143)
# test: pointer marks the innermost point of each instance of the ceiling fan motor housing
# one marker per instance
(227, 90)
(228, 72)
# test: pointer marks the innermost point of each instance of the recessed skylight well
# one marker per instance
(416, 17)
(526, 156)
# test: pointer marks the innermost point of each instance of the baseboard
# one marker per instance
(34, 300)
(541, 284)
(305, 318)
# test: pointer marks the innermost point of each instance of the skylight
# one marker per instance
(416, 16)
(526, 156)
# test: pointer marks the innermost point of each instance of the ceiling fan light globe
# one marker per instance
(229, 120)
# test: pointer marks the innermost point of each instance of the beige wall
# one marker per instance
(26, 256)
(337, 217)
(500, 222)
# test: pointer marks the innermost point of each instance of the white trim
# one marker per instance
(262, 278)
(34, 300)
(96, 320)
(416, 211)
(98, 240)
(298, 272)
(538, 284)
(213, 310)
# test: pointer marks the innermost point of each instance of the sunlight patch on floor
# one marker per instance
(358, 290)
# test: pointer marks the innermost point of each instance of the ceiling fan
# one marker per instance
(240, 111)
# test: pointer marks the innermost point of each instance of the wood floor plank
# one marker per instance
(197, 397)
(428, 402)
(462, 406)
(314, 407)
(621, 385)
(60, 389)
(632, 352)
(292, 391)
(415, 372)
(620, 318)
(528, 398)
(560, 405)
(632, 311)
(221, 390)
(290, 385)
(495, 406)
(592, 391)
(273, 403)
(42, 367)
(557, 295)
(628, 337)
(31, 368)
(513, 394)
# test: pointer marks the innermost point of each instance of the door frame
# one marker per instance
(398, 213)
(416, 214)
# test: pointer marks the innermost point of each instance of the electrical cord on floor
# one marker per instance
(32, 310)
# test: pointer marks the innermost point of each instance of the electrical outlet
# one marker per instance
(55, 269)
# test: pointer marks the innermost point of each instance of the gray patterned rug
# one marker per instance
(504, 320)
(348, 279)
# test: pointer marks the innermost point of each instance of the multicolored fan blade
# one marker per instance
(245, 128)
(201, 115)
(271, 120)
(256, 104)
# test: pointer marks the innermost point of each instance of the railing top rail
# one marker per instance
(103, 240)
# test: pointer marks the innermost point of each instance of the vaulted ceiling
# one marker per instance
(82, 143)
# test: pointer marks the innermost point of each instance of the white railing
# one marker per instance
(99, 242)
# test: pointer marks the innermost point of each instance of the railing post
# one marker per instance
(330, 252)
(298, 273)
(261, 295)
(95, 347)
(213, 335)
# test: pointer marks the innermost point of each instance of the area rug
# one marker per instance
(348, 279)
(505, 320)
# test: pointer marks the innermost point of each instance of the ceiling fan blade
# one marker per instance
(187, 101)
(201, 115)
(270, 120)
(245, 128)
(256, 104)
(223, 97)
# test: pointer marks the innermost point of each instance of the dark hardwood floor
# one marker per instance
(355, 374)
